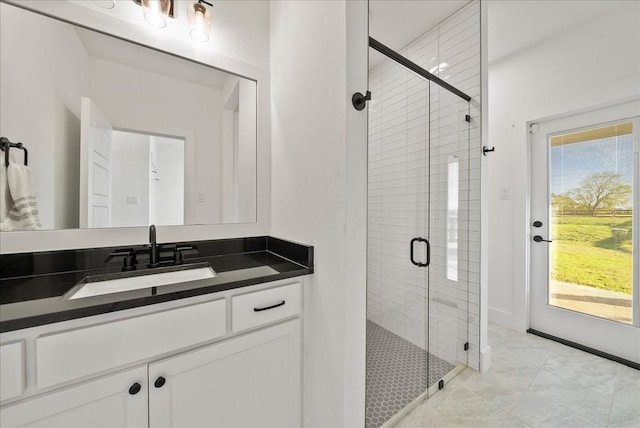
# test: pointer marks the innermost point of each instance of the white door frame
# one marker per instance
(618, 339)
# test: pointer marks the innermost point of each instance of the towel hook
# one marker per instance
(5, 145)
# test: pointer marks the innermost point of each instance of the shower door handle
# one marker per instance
(413, 260)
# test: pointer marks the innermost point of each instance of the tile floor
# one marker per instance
(535, 382)
(396, 374)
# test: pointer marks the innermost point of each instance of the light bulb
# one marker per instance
(155, 12)
(199, 22)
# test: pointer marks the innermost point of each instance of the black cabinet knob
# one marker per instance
(135, 388)
(159, 382)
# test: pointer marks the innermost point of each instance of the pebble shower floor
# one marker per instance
(396, 374)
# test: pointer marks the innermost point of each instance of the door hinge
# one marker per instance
(533, 128)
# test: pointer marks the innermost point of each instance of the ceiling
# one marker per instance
(396, 23)
(128, 54)
(512, 25)
(515, 25)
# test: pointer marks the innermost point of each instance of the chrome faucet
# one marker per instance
(153, 251)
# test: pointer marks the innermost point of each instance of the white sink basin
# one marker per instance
(97, 288)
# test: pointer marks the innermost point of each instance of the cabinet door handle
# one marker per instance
(135, 388)
(159, 382)
(266, 308)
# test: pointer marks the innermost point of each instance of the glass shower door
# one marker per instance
(397, 343)
(423, 240)
(453, 187)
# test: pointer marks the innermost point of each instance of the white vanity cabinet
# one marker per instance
(117, 400)
(229, 378)
(248, 381)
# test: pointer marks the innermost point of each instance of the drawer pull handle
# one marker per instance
(159, 382)
(135, 388)
(266, 308)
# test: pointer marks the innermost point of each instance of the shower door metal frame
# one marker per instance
(395, 56)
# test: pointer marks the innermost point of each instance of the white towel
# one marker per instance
(5, 196)
(23, 208)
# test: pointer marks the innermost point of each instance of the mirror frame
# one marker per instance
(48, 240)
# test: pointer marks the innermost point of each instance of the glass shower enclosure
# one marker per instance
(423, 232)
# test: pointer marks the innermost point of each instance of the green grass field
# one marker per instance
(586, 252)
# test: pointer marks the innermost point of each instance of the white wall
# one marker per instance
(231, 100)
(319, 191)
(43, 116)
(129, 179)
(246, 153)
(238, 174)
(595, 63)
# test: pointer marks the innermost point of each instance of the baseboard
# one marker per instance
(485, 359)
(500, 317)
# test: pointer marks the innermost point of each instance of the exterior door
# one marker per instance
(95, 166)
(584, 229)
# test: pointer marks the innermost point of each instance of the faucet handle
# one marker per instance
(117, 253)
(129, 258)
(178, 256)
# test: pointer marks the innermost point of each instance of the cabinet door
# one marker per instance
(108, 402)
(248, 381)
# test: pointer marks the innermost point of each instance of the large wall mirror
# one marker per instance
(120, 135)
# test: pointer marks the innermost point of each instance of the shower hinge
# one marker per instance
(441, 384)
(360, 101)
(466, 346)
(467, 118)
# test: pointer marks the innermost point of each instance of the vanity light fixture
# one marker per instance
(200, 21)
(155, 11)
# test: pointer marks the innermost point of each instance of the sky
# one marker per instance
(572, 163)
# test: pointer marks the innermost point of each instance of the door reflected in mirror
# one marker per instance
(121, 135)
(147, 185)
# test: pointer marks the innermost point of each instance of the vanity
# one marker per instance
(220, 351)
(132, 126)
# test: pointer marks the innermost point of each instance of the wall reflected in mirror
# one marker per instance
(121, 135)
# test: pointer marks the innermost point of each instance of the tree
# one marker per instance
(563, 204)
(601, 190)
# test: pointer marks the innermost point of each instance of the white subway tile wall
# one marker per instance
(424, 179)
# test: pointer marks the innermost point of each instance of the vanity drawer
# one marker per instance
(11, 370)
(61, 357)
(262, 307)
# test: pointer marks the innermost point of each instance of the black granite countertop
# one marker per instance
(33, 285)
